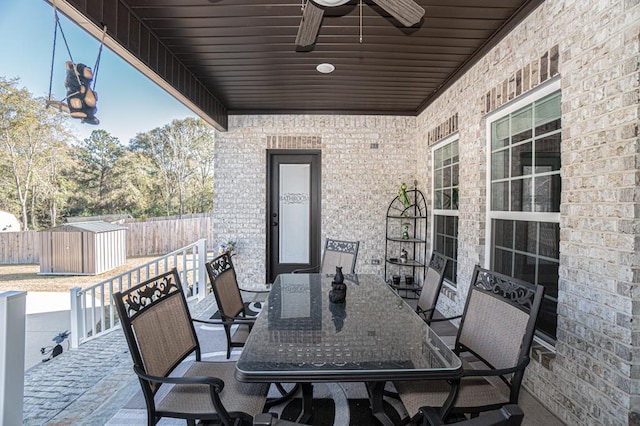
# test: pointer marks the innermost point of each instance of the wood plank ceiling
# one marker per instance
(242, 52)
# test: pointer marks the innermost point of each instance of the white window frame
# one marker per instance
(524, 100)
(527, 99)
(441, 212)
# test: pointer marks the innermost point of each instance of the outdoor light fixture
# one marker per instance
(325, 68)
(330, 3)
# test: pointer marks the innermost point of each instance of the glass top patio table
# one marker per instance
(300, 336)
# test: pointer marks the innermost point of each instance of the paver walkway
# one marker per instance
(87, 385)
(81, 386)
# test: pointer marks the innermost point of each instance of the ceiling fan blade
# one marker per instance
(408, 12)
(309, 26)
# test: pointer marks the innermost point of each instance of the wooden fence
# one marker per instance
(143, 239)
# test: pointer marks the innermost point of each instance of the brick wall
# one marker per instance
(592, 375)
(594, 47)
(364, 161)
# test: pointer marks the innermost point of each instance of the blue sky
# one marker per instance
(128, 102)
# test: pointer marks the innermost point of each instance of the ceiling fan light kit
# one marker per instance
(325, 68)
(407, 12)
(330, 3)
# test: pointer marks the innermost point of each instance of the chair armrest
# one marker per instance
(255, 291)
(217, 383)
(227, 320)
(443, 319)
(497, 371)
(424, 312)
(268, 419)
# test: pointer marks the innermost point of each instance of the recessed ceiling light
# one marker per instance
(325, 68)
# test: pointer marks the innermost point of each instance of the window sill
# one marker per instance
(543, 355)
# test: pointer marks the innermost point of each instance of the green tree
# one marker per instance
(97, 157)
(28, 133)
(182, 154)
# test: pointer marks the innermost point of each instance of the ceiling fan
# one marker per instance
(407, 12)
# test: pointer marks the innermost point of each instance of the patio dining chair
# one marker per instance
(159, 331)
(336, 253)
(430, 290)
(494, 338)
(234, 315)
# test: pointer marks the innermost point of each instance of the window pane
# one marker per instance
(446, 155)
(437, 199)
(527, 240)
(521, 161)
(547, 198)
(446, 176)
(503, 233)
(502, 261)
(454, 174)
(548, 277)
(548, 153)
(449, 245)
(500, 133)
(548, 109)
(437, 179)
(294, 213)
(450, 225)
(446, 199)
(521, 123)
(524, 267)
(454, 152)
(500, 196)
(549, 243)
(521, 195)
(437, 158)
(499, 165)
(547, 318)
(446, 242)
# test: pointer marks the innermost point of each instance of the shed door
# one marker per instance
(66, 252)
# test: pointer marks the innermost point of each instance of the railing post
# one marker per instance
(76, 316)
(202, 273)
(12, 337)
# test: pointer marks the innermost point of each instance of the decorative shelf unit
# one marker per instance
(406, 228)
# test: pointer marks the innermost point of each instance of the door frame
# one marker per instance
(315, 206)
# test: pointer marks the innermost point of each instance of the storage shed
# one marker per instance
(85, 248)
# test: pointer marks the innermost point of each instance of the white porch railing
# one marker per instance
(92, 310)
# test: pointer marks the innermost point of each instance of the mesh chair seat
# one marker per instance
(240, 335)
(474, 392)
(158, 327)
(236, 396)
(497, 328)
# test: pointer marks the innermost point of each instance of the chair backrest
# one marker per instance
(498, 322)
(157, 324)
(432, 285)
(339, 253)
(225, 287)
